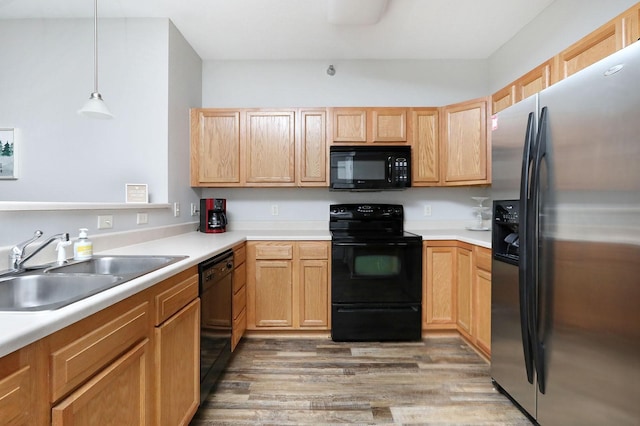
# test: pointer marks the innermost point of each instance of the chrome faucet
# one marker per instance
(17, 256)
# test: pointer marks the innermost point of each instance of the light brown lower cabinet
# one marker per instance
(482, 299)
(177, 366)
(457, 291)
(239, 304)
(136, 362)
(288, 285)
(439, 285)
(21, 383)
(117, 395)
(464, 269)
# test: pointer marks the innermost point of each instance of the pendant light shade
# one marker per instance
(95, 106)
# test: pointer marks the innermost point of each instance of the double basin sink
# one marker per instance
(58, 286)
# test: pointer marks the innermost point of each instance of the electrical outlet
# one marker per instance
(176, 209)
(427, 210)
(194, 209)
(142, 218)
(274, 210)
(105, 222)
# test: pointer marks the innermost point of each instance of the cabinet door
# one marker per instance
(482, 314)
(503, 98)
(425, 147)
(269, 284)
(20, 401)
(439, 310)
(464, 290)
(534, 81)
(270, 147)
(389, 125)
(312, 150)
(597, 45)
(464, 148)
(117, 395)
(349, 125)
(313, 293)
(273, 293)
(177, 366)
(215, 148)
(631, 25)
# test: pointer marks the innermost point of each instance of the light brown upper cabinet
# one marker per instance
(503, 98)
(534, 81)
(465, 149)
(270, 147)
(529, 84)
(425, 146)
(616, 34)
(312, 148)
(368, 125)
(631, 25)
(215, 147)
(597, 45)
(258, 147)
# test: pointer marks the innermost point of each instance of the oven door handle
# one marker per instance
(371, 244)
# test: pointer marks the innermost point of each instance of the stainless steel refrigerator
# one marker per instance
(565, 342)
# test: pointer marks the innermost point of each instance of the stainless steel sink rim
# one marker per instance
(18, 293)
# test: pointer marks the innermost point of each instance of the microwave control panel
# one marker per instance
(401, 170)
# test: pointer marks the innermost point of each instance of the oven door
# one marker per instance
(376, 271)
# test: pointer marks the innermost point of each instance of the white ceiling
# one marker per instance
(300, 29)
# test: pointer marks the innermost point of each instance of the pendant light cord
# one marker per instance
(95, 46)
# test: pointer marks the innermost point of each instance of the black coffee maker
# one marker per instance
(213, 215)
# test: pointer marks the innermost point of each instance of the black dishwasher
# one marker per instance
(216, 290)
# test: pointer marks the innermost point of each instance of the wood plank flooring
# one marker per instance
(288, 381)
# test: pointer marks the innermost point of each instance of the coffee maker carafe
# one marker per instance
(213, 215)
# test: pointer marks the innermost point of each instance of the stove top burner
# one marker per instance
(371, 221)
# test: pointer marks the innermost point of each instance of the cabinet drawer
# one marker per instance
(239, 254)
(239, 301)
(274, 251)
(82, 358)
(313, 250)
(483, 258)
(239, 277)
(239, 327)
(175, 298)
(117, 395)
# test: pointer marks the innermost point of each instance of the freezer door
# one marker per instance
(507, 357)
(507, 141)
(588, 269)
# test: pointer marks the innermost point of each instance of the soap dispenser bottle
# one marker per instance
(83, 248)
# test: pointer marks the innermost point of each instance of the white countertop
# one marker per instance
(19, 329)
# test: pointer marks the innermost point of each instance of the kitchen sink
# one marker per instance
(116, 265)
(58, 286)
(41, 292)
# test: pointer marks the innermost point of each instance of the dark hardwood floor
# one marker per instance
(289, 381)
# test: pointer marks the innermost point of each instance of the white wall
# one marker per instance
(149, 77)
(557, 27)
(185, 92)
(47, 75)
(251, 207)
(356, 83)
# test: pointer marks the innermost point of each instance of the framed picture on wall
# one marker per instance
(8, 154)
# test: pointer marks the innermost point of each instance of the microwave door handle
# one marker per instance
(389, 171)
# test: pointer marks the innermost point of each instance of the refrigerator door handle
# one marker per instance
(523, 264)
(535, 283)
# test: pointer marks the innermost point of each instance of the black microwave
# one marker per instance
(369, 168)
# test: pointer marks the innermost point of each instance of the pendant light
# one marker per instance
(95, 107)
